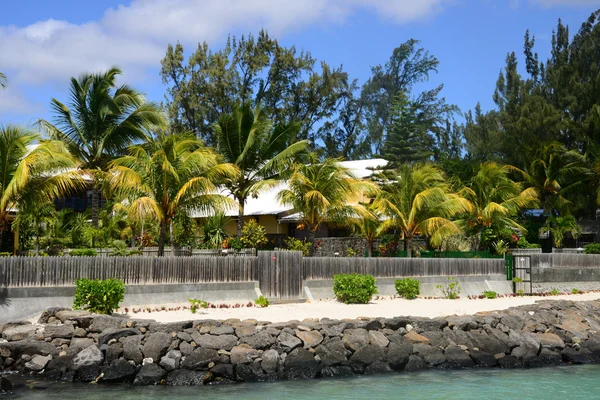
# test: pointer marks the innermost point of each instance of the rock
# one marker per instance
(462, 322)
(550, 341)
(457, 357)
(59, 331)
(132, 348)
(200, 358)
(509, 362)
(301, 364)
(368, 355)
(374, 325)
(270, 359)
(79, 333)
(150, 374)
(378, 339)
(261, 340)
(114, 352)
(81, 317)
(514, 322)
(223, 371)
(170, 327)
(156, 345)
(427, 324)
(332, 352)
(60, 369)
(243, 355)
(396, 323)
(171, 360)
(104, 322)
(549, 357)
(414, 337)
(355, 339)
(571, 355)
(338, 371)
(529, 345)
(245, 330)
(184, 336)
(245, 373)
(310, 339)
(483, 358)
(87, 373)
(5, 385)
(222, 330)
(50, 313)
(434, 358)
(20, 332)
(88, 356)
(289, 341)
(185, 348)
(415, 363)
(378, 367)
(38, 363)
(225, 342)
(184, 377)
(398, 355)
(28, 347)
(118, 371)
(116, 334)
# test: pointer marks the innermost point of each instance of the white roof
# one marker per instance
(267, 203)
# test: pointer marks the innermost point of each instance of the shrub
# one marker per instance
(233, 243)
(408, 288)
(83, 253)
(451, 290)
(55, 250)
(195, 304)
(254, 235)
(554, 292)
(297, 245)
(350, 252)
(354, 288)
(490, 294)
(99, 296)
(524, 244)
(5, 254)
(576, 291)
(262, 301)
(520, 292)
(517, 280)
(592, 248)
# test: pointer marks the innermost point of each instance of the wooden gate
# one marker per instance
(279, 274)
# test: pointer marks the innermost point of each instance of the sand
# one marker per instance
(335, 310)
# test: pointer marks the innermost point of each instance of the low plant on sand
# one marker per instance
(262, 301)
(354, 288)
(408, 288)
(490, 294)
(451, 290)
(195, 304)
(554, 292)
(576, 291)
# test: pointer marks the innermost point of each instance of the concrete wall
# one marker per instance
(561, 267)
(469, 285)
(26, 302)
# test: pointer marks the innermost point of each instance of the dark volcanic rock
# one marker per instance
(184, 377)
(415, 363)
(368, 355)
(261, 340)
(483, 358)
(64, 331)
(150, 374)
(378, 367)
(332, 352)
(200, 358)
(118, 371)
(398, 355)
(111, 333)
(156, 345)
(223, 371)
(301, 364)
(457, 357)
(338, 371)
(132, 348)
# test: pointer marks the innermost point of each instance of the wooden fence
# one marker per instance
(327, 267)
(280, 274)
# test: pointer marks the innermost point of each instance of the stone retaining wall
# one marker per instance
(78, 346)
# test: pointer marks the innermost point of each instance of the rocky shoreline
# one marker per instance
(69, 345)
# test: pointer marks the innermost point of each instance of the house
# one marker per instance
(279, 220)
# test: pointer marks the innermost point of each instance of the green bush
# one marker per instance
(195, 304)
(575, 291)
(490, 294)
(451, 290)
(5, 254)
(554, 292)
(297, 245)
(99, 296)
(354, 288)
(592, 248)
(524, 244)
(408, 288)
(262, 301)
(83, 253)
(254, 235)
(517, 280)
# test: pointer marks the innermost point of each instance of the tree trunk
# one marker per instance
(408, 244)
(95, 206)
(171, 239)
(370, 248)
(240, 221)
(161, 239)
(37, 241)
(311, 239)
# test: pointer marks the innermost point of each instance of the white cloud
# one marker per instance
(553, 3)
(135, 36)
(13, 101)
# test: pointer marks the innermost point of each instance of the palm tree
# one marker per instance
(3, 80)
(33, 171)
(559, 226)
(99, 123)
(37, 217)
(368, 226)
(494, 200)
(214, 229)
(416, 201)
(169, 174)
(556, 174)
(247, 139)
(324, 192)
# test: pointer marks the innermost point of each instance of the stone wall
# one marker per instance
(327, 247)
(77, 346)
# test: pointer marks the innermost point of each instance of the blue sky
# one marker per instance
(44, 43)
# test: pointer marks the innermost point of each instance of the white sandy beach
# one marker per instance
(335, 310)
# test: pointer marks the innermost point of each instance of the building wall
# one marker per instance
(268, 221)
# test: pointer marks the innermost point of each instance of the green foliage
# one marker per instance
(214, 229)
(451, 289)
(524, 244)
(233, 243)
(517, 280)
(520, 292)
(294, 244)
(500, 247)
(408, 288)
(253, 235)
(554, 292)
(558, 227)
(592, 248)
(98, 296)
(262, 301)
(490, 294)
(196, 304)
(576, 291)
(83, 253)
(350, 252)
(5, 254)
(354, 288)
(119, 249)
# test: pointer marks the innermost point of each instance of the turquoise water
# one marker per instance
(572, 382)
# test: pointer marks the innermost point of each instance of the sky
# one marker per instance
(43, 44)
